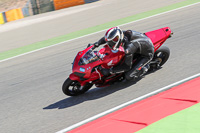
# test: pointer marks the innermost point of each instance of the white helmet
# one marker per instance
(114, 37)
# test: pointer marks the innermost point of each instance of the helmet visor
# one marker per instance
(113, 42)
(116, 39)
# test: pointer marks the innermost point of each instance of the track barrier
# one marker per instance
(1, 19)
(14, 14)
(60, 4)
(33, 7)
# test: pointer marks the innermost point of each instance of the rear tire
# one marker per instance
(160, 57)
(163, 52)
(73, 88)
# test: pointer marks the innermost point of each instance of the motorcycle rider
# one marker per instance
(133, 43)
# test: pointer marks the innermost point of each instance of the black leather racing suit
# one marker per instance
(133, 43)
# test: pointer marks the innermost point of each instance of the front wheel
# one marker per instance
(74, 88)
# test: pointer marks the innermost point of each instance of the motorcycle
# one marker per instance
(87, 65)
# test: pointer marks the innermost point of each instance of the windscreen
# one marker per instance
(88, 57)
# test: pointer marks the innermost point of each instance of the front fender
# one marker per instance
(74, 77)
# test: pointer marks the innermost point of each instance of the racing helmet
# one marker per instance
(114, 37)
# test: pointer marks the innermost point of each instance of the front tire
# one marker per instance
(73, 88)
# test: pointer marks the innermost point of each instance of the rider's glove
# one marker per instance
(96, 44)
(89, 45)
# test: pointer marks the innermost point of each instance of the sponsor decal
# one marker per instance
(110, 63)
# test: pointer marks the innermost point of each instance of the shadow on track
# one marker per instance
(94, 93)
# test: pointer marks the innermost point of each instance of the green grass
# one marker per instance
(185, 121)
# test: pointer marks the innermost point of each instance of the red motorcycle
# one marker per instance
(87, 65)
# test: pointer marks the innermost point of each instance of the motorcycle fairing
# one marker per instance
(159, 36)
(90, 72)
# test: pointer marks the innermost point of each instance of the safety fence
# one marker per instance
(33, 7)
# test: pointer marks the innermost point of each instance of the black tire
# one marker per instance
(72, 88)
(160, 57)
(162, 54)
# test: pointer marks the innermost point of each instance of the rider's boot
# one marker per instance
(144, 70)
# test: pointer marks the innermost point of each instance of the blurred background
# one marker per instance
(11, 10)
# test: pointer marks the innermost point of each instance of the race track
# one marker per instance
(30, 86)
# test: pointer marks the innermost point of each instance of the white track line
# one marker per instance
(128, 103)
(96, 33)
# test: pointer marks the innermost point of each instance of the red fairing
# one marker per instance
(87, 67)
(111, 58)
(72, 76)
(158, 37)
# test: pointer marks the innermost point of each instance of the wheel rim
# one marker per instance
(74, 87)
(160, 56)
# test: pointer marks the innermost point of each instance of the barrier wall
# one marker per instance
(1, 18)
(26, 10)
(42, 6)
(60, 4)
(14, 14)
(4, 16)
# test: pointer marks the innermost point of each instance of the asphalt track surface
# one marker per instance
(30, 86)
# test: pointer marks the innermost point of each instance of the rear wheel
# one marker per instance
(74, 88)
(160, 57)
